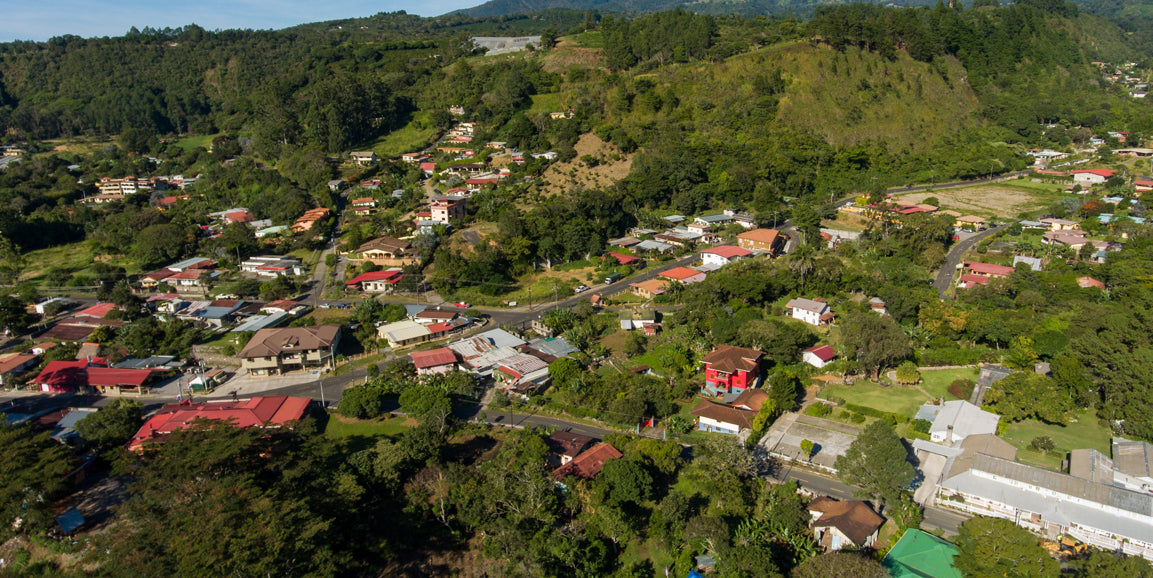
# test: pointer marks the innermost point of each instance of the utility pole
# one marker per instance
(530, 299)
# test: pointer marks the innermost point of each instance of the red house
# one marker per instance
(730, 369)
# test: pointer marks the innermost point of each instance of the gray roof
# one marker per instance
(981, 482)
(1113, 496)
(653, 246)
(928, 412)
(413, 310)
(807, 305)
(1133, 458)
(965, 419)
(1092, 465)
(554, 346)
(1033, 262)
(991, 374)
(258, 322)
(675, 218)
(71, 418)
(146, 363)
(483, 343)
(721, 218)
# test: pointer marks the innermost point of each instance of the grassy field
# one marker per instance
(936, 381)
(896, 399)
(545, 103)
(192, 142)
(74, 257)
(1087, 432)
(994, 200)
(414, 136)
(586, 39)
(342, 427)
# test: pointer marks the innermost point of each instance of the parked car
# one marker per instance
(581, 289)
(462, 305)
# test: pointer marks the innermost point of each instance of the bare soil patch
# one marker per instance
(576, 174)
(989, 200)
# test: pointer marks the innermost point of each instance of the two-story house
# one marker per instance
(447, 210)
(276, 351)
(730, 369)
(768, 240)
(810, 311)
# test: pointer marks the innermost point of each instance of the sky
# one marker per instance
(43, 19)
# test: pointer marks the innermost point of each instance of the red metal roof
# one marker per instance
(589, 463)
(989, 268)
(1099, 172)
(823, 352)
(256, 412)
(433, 358)
(112, 377)
(98, 311)
(1086, 282)
(728, 251)
(376, 276)
(63, 374)
(969, 279)
(623, 259)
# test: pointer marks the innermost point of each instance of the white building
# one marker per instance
(1051, 504)
(810, 311)
(953, 421)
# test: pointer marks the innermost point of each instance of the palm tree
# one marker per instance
(802, 261)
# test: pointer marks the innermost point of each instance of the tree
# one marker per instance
(13, 315)
(874, 341)
(998, 547)
(807, 448)
(877, 462)
(840, 564)
(634, 344)
(32, 476)
(113, 425)
(427, 404)
(12, 261)
(1108, 564)
(360, 402)
(785, 389)
(907, 373)
(1025, 394)
(624, 480)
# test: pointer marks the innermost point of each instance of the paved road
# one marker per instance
(944, 520)
(956, 254)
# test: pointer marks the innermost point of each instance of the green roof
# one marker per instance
(921, 555)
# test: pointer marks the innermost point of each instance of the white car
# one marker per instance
(581, 289)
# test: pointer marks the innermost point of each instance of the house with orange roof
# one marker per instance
(684, 275)
(649, 289)
(770, 241)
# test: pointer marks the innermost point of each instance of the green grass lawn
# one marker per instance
(1085, 433)
(77, 258)
(192, 142)
(936, 381)
(896, 399)
(545, 103)
(339, 427)
(412, 137)
(588, 39)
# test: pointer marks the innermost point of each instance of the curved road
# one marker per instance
(956, 254)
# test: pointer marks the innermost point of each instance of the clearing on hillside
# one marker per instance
(994, 200)
(576, 174)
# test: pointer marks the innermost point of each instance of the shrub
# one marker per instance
(819, 410)
(961, 388)
(1043, 444)
(856, 418)
(892, 418)
(920, 426)
(954, 356)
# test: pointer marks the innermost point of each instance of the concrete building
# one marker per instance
(276, 351)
